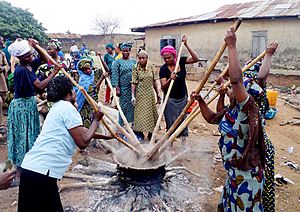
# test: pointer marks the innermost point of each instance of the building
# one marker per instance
(263, 22)
(97, 42)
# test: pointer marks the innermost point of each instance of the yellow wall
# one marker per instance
(206, 39)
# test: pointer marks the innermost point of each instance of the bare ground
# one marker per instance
(202, 139)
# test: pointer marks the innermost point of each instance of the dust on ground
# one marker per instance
(204, 160)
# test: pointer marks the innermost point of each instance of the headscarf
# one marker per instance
(143, 52)
(43, 71)
(253, 88)
(85, 81)
(84, 63)
(110, 45)
(169, 49)
(126, 45)
(56, 44)
(93, 53)
(19, 48)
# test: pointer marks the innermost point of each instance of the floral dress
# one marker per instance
(269, 186)
(145, 112)
(243, 188)
(121, 76)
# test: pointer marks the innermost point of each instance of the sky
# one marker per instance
(78, 16)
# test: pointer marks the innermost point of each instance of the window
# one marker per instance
(168, 40)
(259, 42)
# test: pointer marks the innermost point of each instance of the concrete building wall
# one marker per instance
(206, 39)
(98, 42)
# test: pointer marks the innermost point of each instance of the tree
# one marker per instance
(14, 20)
(106, 24)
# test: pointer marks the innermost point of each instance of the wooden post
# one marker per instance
(197, 91)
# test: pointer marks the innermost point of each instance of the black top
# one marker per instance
(179, 89)
(24, 79)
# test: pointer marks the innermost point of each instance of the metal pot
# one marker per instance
(147, 175)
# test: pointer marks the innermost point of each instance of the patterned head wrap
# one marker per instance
(126, 45)
(84, 63)
(110, 45)
(43, 71)
(252, 72)
(253, 88)
(56, 44)
(93, 53)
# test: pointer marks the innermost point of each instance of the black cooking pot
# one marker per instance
(138, 175)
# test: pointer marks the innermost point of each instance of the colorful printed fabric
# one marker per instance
(56, 44)
(269, 186)
(265, 103)
(44, 71)
(85, 81)
(87, 110)
(238, 195)
(126, 45)
(121, 76)
(23, 128)
(145, 99)
(109, 59)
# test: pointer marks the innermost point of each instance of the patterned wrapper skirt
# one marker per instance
(242, 191)
(23, 128)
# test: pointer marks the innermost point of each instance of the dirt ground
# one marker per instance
(283, 137)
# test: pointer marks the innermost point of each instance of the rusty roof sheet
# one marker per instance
(249, 10)
(64, 36)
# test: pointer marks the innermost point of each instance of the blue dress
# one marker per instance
(23, 118)
(121, 76)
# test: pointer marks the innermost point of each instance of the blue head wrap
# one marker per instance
(84, 80)
(126, 45)
(110, 45)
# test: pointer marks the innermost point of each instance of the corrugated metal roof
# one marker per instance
(249, 10)
(64, 36)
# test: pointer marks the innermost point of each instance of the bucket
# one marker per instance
(272, 96)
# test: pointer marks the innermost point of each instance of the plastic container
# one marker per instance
(194, 104)
(272, 96)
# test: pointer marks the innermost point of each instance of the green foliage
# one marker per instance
(16, 20)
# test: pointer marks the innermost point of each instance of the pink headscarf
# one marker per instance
(170, 49)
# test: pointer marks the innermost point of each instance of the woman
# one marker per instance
(3, 88)
(260, 74)
(43, 71)
(121, 80)
(118, 51)
(241, 143)
(109, 58)
(52, 152)
(143, 98)
(87, 81)
(23, 108)
(179, 95)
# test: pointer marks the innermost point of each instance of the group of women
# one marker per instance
(247, 152)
